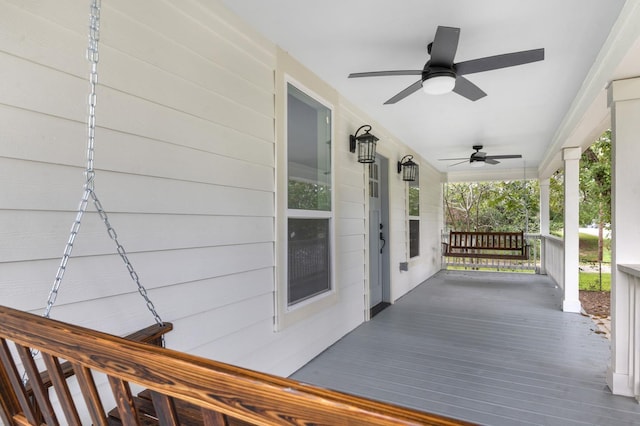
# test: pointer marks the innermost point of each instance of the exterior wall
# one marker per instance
(186, 169)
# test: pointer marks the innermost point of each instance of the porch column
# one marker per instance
(571, 157)
(624, 101)
(544, 221)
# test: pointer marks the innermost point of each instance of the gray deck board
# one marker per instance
(490, 348)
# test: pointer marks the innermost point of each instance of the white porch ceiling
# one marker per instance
(527, 106)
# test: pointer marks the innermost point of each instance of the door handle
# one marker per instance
(384, 242)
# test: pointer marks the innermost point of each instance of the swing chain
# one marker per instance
(93, 56)
(123, 255)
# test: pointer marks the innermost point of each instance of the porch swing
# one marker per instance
(491, 245)
(179, 389)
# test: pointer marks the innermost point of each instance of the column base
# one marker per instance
(619, 383)
(573, 306)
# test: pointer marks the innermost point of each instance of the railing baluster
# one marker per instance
(59, 382)
(16, 384)
(9, 405)
(90, 394)
(124, 401)
(165, 409)
(213, 418)
(37, 388)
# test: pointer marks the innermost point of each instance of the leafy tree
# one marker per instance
(595, 182)
(595, 187)
(488, 206)
(556, 202)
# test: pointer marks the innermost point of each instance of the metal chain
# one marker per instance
(92, 56)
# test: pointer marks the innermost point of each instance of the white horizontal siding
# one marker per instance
(46, 232)
(95, 277)
(186, 169)
(41, 186)
(310, 337)
(184, 163)
(41, 137)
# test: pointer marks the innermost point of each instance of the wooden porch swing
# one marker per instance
(488, 244)
(60, 361)
(181, 389)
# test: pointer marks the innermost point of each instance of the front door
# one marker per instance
(378, 236)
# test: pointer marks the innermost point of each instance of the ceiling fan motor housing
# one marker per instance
(475, 155)
(438, 80)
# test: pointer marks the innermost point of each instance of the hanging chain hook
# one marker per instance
(89, 185)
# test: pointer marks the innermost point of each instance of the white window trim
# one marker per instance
(286, 315)
(418, 218)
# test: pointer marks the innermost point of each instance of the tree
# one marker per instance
(487, 206)
(556, 202)
(595, 188)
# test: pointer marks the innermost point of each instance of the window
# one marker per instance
(309, 210)
(414, 216)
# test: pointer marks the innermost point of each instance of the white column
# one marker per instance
(624, 100)
(571, 157)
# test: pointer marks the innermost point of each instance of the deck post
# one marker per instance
(571, 157)
(624, 102)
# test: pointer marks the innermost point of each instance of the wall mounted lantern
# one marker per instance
(408, 168)
(366, 144)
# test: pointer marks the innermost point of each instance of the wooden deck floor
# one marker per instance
(489, 348)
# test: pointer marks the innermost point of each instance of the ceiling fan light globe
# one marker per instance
(477, 163)
(439, 84)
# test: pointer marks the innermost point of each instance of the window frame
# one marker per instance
(410, 217)
(287, 314)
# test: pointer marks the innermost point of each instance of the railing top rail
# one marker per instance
(245, 394)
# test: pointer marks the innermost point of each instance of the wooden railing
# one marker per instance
(180, 388)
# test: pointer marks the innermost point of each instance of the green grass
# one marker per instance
(590, 281)
(589, 249)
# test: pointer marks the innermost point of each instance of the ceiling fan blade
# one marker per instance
(455, 164)
(467, 89)
(491, 161)
(452, 159)
(444, 47)
(499, 61)
(406, 92)
(502, 157)
(385, 73)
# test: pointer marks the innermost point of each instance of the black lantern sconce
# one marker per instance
(366, 144)
(408, 168)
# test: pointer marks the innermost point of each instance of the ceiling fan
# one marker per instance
(441, 75)
(479, 158)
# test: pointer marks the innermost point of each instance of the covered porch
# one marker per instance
(493, 348)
